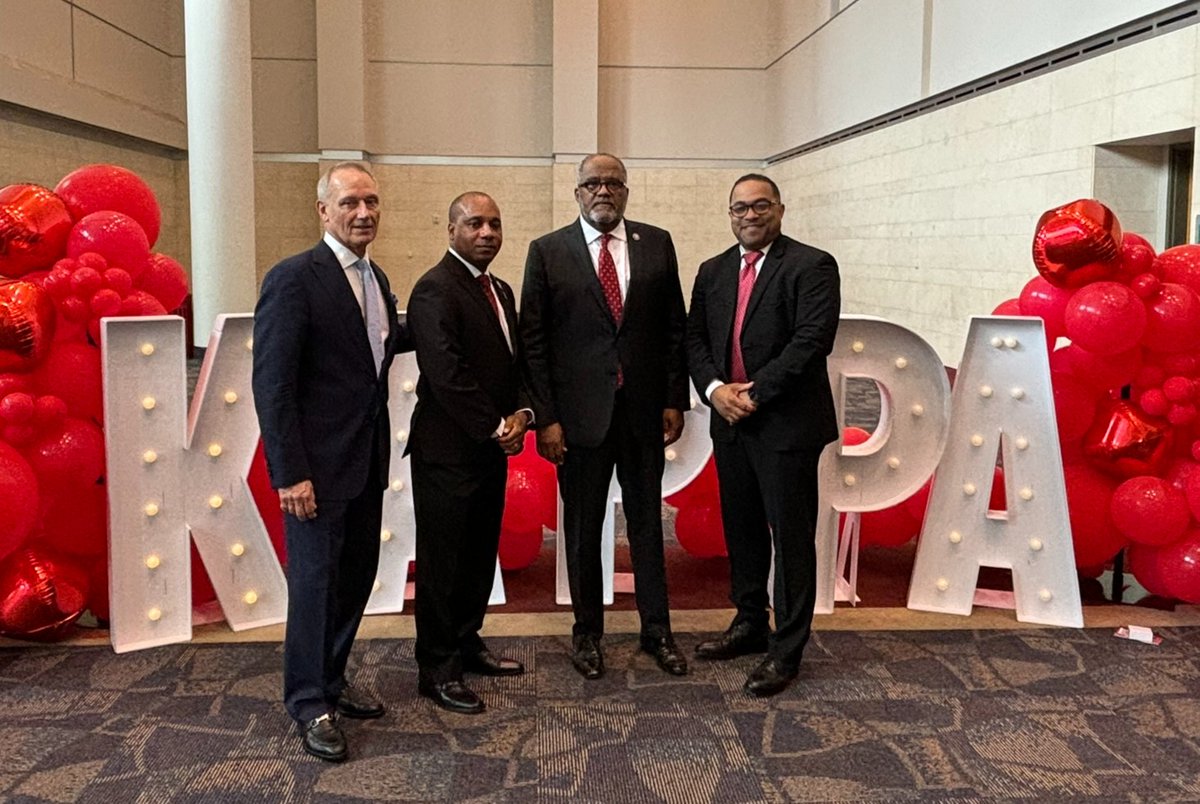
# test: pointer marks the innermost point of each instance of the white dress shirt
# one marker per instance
(348, 259)
(618, 247)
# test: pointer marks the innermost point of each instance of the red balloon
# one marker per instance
(1171, 570)
(34, 225)
(19, 502)
(93, 188)
(1149, 510)
(1042, 299)
(919, 501)
(853, 436)
(116, 237)
(203, 591)
(1008, 307)
(141, 303)
(70, 459)
(26, 325)
(1100, 371)
(1180, 265)
(1105, 318)
(1074, 406)
(72, 373)
(1077, 243)
(266, 499)
(998, 501)
(97, 575)
(1173, 319)
(703, 491)
(521, 527)
(700, 532)
(1137, 255)
(1125, 442)
(75, 521)
(890, 527)
(41, 596)
(165, 280)
(1096, 539)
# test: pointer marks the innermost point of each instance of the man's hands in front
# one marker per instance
(550, 444)
(513, 439)
(732, 401)
(672, 421)
(299, 500)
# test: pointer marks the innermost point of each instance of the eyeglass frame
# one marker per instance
(745, 208)
(612, 185)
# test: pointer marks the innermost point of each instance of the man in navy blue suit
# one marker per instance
(325, 331)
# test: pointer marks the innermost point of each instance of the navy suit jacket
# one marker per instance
(470, 380)
(788, 331)
(321, 407)
(573, 347)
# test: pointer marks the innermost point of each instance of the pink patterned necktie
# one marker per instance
(737, 366)
(608, 279)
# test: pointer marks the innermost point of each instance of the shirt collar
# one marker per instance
(475, 272)
(591, 234)
(345, 256)
(744, 251)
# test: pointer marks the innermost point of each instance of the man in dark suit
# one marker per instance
(762, 321)
(468, 420)
(325, 330)
(602, 320)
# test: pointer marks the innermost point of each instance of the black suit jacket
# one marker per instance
(573, 347)
(321, 407)
(469, 379)
(787, 333)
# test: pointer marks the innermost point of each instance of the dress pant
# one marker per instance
(583, 480)
(458, 511)
(331, 567)
(769, 498)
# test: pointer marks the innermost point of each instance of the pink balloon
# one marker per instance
(1149, 510)
(1173, 319)
(93, 188)
(116, 237)
(1105, 318)
(1040, 298)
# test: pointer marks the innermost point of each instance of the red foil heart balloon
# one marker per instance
(40, 596)
(1077, 243)
(1126, 442)
(34, 225)
(26, 325)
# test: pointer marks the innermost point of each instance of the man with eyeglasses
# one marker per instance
(602, 321)
(762, 321)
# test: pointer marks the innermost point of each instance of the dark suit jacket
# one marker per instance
(469, 379)
(321, 408)
(787, 333)
(573, 347)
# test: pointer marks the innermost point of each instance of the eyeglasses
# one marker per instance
(761, 207)
(612, 185)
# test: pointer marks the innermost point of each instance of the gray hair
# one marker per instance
(323, 182)
(583, 164)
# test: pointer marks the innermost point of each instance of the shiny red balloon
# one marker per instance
(700, 532)
(1125, 442)
(1173, 319)
(1148, 510)
(1074, 405)
(41, 596)
(1048, 302)
(853, 436)
(94, 188)
(165, 280)
(19, 501)
(1172, 570)
(116, 237)
(1180, 265)
(1077, 243)
(71, 371)
(26, 325)
(1105, 318)
(34, 225)
(1008, 307)
(1095, 537)
(1137, 255)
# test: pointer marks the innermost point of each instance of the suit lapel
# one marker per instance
(770, 266)
(332, 277)
(724, 300)
(474, 291)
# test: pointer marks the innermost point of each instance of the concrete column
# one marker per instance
(220, 159)
(576, 95)
(341, 79)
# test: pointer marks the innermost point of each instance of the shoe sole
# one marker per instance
(327, 757)
(359, 715)
(456, 710)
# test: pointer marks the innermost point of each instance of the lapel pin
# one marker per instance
(637, 236)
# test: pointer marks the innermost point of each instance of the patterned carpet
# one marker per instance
(1046, 715)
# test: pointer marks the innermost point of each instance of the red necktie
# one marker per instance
(609, 280)
(737, 366)
(485, 282)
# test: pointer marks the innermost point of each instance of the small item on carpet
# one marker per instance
(1138, 633)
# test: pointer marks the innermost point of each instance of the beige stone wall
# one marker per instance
(932, 219)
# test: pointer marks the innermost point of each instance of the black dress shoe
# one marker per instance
(587, 658)
(739, 640)
(667, 654)
(357, 704)
(485, 663)
(323, 738)
(453, 696)
(769, 678)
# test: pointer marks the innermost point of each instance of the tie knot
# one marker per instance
(604, 239)
(749, 258)
(484, 280)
